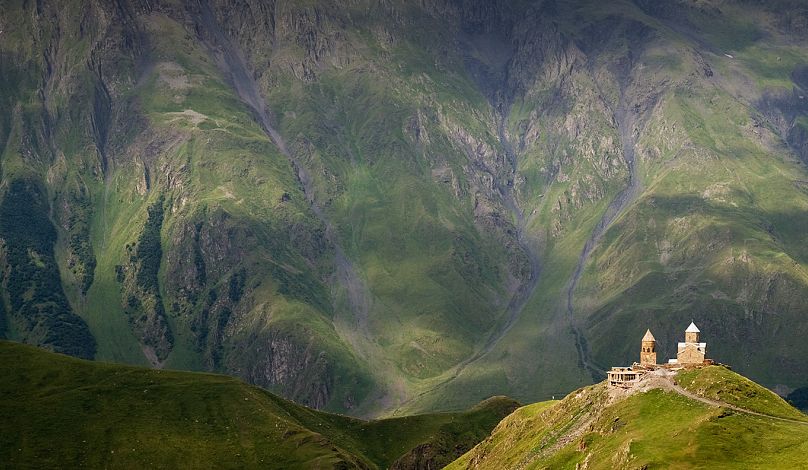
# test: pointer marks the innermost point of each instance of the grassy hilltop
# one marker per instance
(742, 426)
(59, 412)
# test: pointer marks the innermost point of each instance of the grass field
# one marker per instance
(654, 429)
(59, 412)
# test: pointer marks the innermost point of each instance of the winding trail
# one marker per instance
(665, 383)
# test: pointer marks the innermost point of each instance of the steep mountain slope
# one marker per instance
(659, 425)
(393, 206)
(58, 412)
(212, 232)
(683, 201)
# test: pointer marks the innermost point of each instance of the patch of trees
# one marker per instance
(236, 285)
(150, 250)
(144, 303)
(216, 351)
(79, 242)
(32, 281)
(120, 273)
(210, 324)
(799, 398)
(2, 317)
(200, 323)
(470, 262)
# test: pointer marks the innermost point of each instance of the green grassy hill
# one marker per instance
(58, 412)
(659, 428)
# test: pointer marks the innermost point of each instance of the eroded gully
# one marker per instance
(624, 198)
(529, 246)
(232, 63)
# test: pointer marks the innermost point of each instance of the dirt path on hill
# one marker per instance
(675, 388)
(665, 383)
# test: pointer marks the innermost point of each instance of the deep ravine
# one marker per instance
(625, 125)
(529, 245)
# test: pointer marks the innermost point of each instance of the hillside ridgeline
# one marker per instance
(701, 418)
(59, 412)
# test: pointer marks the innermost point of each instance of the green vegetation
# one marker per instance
(799, 398)
(653, 429)
(35, 294)
(58, 411)
(3, 319)
(199, 261)
(144, 300)
(403, 442)
(149, 251)
(376, 218)
(721, 384)
(79, 241)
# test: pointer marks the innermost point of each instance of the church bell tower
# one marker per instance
(648, 353)
(692, 333)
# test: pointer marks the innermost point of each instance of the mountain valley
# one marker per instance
(381, 208)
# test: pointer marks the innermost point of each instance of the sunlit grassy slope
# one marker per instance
(59, 412)
(654, 429)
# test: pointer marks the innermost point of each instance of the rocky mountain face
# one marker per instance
(379, 206)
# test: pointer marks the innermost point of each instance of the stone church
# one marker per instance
(690, 352)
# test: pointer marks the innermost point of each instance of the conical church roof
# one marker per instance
(692, 328)
(648, 336)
